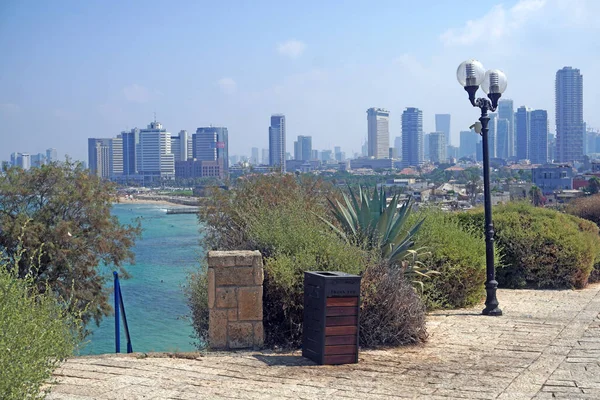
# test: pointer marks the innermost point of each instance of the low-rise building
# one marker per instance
(553, 177)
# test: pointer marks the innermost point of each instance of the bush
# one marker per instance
(542, 248)
(282, 217)
(36, 334)
(458, 254)
(196, 291)
(392, 312)
(588, 208)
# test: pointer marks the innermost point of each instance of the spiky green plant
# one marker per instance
(374, 224)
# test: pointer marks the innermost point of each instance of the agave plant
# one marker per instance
(373, 223)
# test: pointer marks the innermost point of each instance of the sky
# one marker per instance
(70, 70)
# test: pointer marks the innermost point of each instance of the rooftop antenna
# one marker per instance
(154, 116)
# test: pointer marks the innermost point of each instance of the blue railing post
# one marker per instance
(117, 309)
(120, 308)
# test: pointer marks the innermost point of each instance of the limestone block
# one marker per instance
(219, 259)
(232, 314)
(240, 335)
(217, 329)
(226, 297)
(234, 276)
(250, 303)
(211, 288)
(259, 335)
(257, 261)
(259, 275)
(244, 259)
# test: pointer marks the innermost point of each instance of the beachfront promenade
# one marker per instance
(546, 346)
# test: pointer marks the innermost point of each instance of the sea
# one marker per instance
(154, 300)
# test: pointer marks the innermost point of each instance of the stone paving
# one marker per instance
(546, 346)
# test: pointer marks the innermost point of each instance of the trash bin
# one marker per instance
(331, 312)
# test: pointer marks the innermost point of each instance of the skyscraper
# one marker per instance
(265, 157)
(212, 144)
(99, 157)
(492, 134)
(502, 131)
(437, 147)
(522, 133)
(506, 111)
(538, 131)
(277, 139)
(303, 148)
(51, 155)
(468, 144)
(131, 140)
(254, 160)
(153, 157)
(378, 130)
(398, 146)
(570, 128)
(116, 156)
(442, 124)
(412, 137)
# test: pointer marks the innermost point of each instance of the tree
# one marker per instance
(473, 185)
(537, 198)
(593, 186)
(61, 216)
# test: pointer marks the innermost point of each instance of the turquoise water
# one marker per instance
(154, 301)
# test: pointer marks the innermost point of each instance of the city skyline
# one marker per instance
(82, 84)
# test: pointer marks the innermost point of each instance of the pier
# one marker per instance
(183, 210)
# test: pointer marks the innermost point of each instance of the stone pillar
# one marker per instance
(235, 292)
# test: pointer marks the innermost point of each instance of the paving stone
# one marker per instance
(545, 346)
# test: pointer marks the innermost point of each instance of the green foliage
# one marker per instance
(372, 223)
(542, 248)
(196, 292)
(64, 211)
(36, 333)
(588, 208)
(282, 216)
(458, 255)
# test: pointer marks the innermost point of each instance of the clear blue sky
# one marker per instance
(76, 69)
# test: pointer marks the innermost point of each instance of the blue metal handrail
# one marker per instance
(119, 306)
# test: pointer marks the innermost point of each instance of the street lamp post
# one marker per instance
(471, 75)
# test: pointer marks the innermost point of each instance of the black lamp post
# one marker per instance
(470, 75)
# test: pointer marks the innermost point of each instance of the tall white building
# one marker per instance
(99, 157)
(378, 127)
(116, 156)
(437, 147)
(181, 146)
(570, 128)
(277, 139)
(154, 158)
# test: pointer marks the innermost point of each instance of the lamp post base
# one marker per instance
(491, 302)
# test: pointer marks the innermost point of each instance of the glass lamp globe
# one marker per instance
(494, 82)
(470, 73)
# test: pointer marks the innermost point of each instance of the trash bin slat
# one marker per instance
(340, 340)
(342, 301)
(341, 359)
(341, 321)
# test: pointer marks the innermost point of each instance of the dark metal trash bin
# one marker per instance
(331, 312)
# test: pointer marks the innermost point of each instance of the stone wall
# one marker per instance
(235, 294)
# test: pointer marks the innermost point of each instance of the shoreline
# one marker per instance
(123, 200)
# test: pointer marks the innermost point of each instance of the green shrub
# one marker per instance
(196, 291)
(36, 334)
(542, 248)
(458, 254)
(588, 208)
(282, 217)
